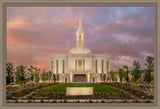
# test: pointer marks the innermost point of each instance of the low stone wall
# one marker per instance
(76, 91)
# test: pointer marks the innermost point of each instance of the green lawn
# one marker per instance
(62, 88)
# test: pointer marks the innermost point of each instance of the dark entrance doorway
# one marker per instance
(79, 78)
(65, 80)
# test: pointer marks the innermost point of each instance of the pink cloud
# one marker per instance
(35, 33)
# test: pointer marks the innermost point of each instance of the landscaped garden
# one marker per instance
(56, 93)
(101, 91)
(135, 90)
(62, 88)
(29, 90)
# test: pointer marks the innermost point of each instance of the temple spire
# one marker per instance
(80, 24)
(80, 20)
(80, 34)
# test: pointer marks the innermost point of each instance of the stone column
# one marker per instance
(88, 77)
(71, 76)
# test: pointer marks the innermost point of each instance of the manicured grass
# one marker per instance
(62, 88)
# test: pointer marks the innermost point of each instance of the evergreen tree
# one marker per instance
(20, 74)
(10, 73)
(31, 69)
(54, 77)
(36, 74)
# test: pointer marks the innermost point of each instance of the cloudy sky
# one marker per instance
(124, 33)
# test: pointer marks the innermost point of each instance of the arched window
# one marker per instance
(63, 66)
(52, 66)
(107, 67)
(76, 64)
(80, 64)
(96, 65)
(102, 66)
(80, 40)
(57, 66)
(83, 64)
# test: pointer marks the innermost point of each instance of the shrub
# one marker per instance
(60, 102)
(96, 101)
(29, 101)
(103, 101)
(42, 101)
(125, 101)
(9, 97)
(90, 101)
(136, 101)
(54, 101)
(16, 101)
(65, 101)
(148, 101)
(29, 97)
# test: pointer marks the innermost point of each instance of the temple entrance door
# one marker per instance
(93, 80)
(65, 80)
(79, 78)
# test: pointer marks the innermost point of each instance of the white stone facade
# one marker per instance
(79, 65)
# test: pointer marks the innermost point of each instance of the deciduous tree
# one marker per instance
(149, 68)
(136, 74)
(126, 71)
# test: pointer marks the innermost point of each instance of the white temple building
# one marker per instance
(79, 65)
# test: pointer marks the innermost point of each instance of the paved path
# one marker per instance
(28, 94)
(31, 93)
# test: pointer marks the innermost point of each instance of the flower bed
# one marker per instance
(61, 95)
(130, 89)
(26, 91)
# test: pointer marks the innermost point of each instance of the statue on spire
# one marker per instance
(80, 19)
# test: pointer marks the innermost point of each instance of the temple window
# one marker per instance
(107, 66)
(52, 66)
(57, 66)
(102, 67)
(83, 64)
(96, 65)
(80, 64)
(80, 40)
(76, 64)
(63, 66)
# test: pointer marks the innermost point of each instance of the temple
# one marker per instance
(80, 65)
